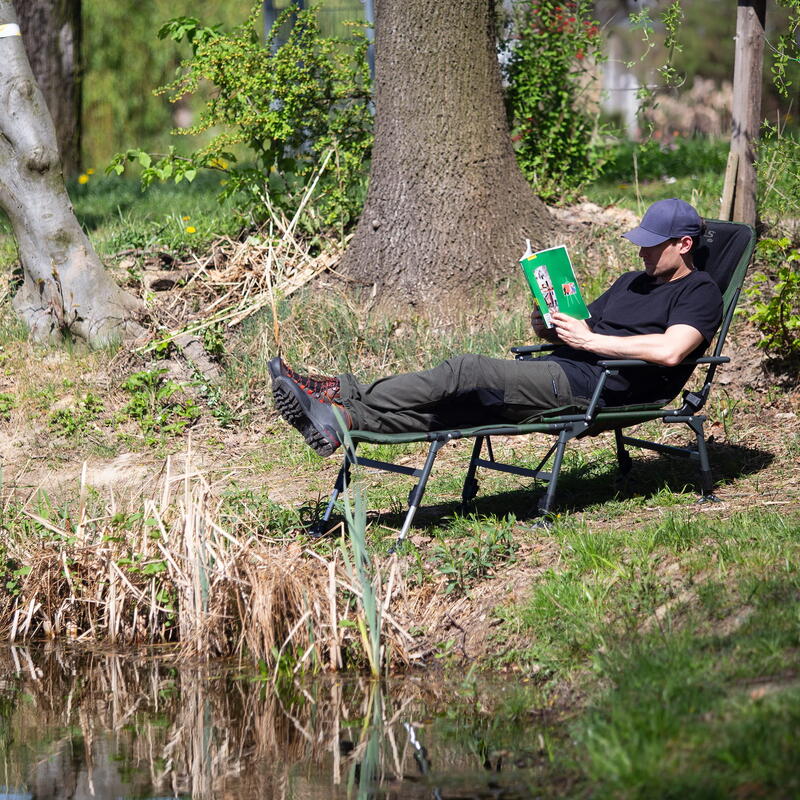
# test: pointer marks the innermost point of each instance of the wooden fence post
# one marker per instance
(739, 194)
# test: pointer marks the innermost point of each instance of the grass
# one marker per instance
(119, 216)
(214, 577)
(639, 174)
(684, 636)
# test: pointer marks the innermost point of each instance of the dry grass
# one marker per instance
(167, 571)
(235, 279)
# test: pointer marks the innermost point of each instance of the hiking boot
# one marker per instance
(312, 414)
(319, 386)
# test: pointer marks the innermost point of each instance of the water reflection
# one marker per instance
(83, 725)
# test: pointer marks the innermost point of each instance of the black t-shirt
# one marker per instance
(634, 305)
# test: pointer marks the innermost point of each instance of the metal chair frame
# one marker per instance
(567, 426)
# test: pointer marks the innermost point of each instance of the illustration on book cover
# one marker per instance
(553, 283)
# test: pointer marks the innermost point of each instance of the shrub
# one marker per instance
(293, 107)
(776, 296)
(546, 73)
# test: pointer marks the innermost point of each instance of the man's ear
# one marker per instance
(686, 244)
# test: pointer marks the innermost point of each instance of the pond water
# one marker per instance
(89, 725)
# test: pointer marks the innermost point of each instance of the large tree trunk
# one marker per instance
(51, 31)
(66, 288)
(447, 207)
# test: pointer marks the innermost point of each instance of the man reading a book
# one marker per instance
(663, 314)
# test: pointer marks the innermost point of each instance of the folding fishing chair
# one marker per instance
(724, 253)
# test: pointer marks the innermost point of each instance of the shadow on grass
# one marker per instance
(662, 480)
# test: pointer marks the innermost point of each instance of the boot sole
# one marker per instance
(313, 419)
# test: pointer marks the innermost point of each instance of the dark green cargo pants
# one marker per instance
(461, 392)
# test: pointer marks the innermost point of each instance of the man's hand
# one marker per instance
(541, 330)
(574, 332)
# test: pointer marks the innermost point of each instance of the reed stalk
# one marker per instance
(358, 564)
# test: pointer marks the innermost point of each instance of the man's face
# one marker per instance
(665, 261)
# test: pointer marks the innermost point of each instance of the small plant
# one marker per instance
(464, 561)
(776, 297)
(7, 403)
(71, 421)
(10, 573)
(670, 22)
(547, 73)
(777, 165)
(214, 340)
(363, 574)
(155, 406)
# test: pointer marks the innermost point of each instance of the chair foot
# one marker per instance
(543, 523)
(470, 490)
(704, 499)
(322, 528)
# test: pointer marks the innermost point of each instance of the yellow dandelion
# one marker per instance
(186, 219)
(83, 178)
(191, 229)
(90, 171)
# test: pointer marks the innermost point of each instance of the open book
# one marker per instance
(551, 278)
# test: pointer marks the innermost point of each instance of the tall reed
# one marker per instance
(166, 569)
(357, 562)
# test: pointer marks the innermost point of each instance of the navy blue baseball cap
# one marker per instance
(666, 219)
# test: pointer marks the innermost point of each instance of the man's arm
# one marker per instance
(667, 349)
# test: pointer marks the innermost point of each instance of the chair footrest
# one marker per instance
(511, 468)
(387, 466)
(685, 452)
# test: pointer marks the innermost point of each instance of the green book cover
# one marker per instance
(552, 280)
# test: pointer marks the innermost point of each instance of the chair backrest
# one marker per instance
(724, 253)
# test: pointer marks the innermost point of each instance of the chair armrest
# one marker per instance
(708, 360)
(615, 363)
(524, 349)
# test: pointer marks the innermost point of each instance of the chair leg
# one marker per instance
(415, 497)
(470, 488)
(706, 476)
(320, 527)
(623, 458)
(547, 502)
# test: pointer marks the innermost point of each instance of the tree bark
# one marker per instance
(66, 289)
(51, 31)
(447, 207)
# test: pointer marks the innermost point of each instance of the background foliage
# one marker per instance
(296, 108)
(124, 62)
(546, 73)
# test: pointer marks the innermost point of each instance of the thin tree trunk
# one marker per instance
(66, 289)
(447, 208)
(739, 192)
(51, 31)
